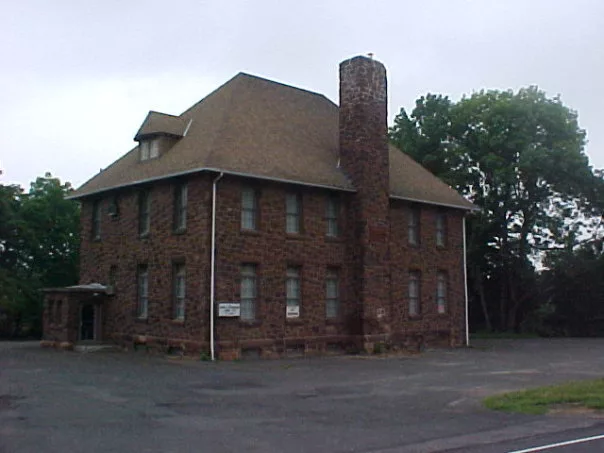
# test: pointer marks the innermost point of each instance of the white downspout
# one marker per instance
(465, 281)
(213, 265)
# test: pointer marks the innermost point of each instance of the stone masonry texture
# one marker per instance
(371, 256)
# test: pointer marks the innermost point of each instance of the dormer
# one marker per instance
(158, 133)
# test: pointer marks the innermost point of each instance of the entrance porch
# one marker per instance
(74, 315)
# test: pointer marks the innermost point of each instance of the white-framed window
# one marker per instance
(441, 229)
(441, 292)
(332, 216)
(414, 293)
(180, 207)
(142, 306)
(96, 220)
(249, 292)
(332, 294)
(414, 226)
(149, 149)
(249, 209)
(179, 289)
(292, 290)
(144, 213)
(153, 148)
(293, 213)
(144, 149)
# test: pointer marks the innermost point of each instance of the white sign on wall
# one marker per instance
(229, 309)
(293, 311)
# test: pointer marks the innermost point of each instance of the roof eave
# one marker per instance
(213, 170)
(436, 203)
(146, 135)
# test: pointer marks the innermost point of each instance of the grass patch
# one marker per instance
(588, 394)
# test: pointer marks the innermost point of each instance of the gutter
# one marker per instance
(210, 169)
(436, 203)
(465, 281)
(213, 265)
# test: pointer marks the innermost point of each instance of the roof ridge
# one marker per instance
(286, 85)
(211, 93)
(163, 113)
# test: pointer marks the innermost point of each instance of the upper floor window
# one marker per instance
(441, 229)
(149, 149)
(249, 209)
(413, 226)
(248, 292)
(332, 294)
(441, 292)
(179, 285)
(414, 293)
(142, 306)
(180, 207)
(332, 215)
(96, 220)
(293, 213)
(144, 213)
(292, 289)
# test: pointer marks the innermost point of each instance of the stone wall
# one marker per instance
(272, 250)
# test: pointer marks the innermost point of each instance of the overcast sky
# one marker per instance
(78, 77)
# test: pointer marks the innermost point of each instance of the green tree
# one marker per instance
(520, 157)
(39, 244)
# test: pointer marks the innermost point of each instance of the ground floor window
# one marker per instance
(179, 286)
(441, 292)
(414, 293)
(332, 294)
(248, 292)
(142, 309)
(293, 292)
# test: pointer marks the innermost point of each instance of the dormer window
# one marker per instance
(149, 149)
(158, 133)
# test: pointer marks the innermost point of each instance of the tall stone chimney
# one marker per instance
(364, 158)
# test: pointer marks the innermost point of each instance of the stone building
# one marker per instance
(266, 220)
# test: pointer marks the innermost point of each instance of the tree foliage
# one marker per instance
(39, 244)
(520, 157)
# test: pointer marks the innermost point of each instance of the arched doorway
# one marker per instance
(88, 321)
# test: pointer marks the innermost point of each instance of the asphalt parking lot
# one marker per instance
(97, 402)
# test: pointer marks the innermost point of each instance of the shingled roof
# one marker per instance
(158, 123)
(256, 127)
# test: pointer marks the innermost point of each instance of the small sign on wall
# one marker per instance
(293, 311)
(229, 309)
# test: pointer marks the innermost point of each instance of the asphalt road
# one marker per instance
(587, 440)
(59, 401)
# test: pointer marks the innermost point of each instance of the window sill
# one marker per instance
(179, 231)
(336, 239)
(249, 232)
(178, 322)
(144, 235)
(96, 239)
(415, 317)
(294, 321)
(141, 320)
